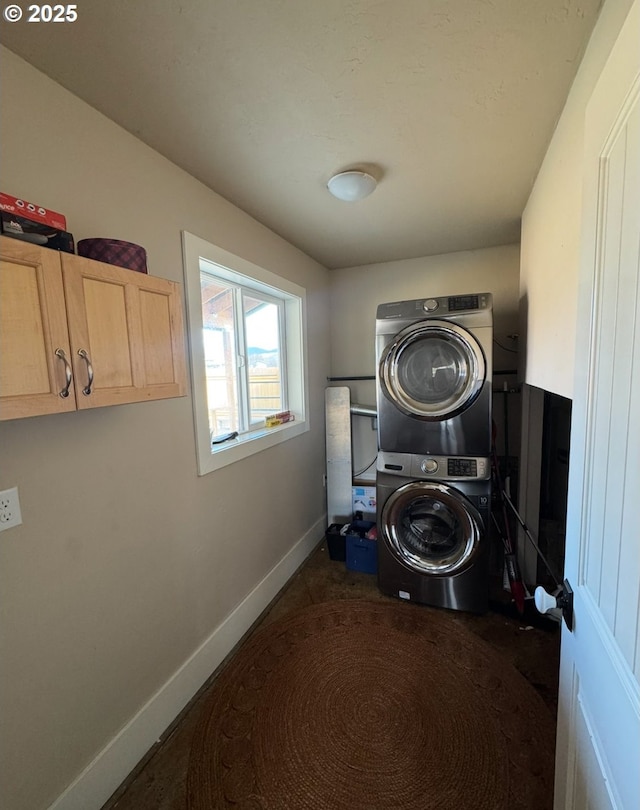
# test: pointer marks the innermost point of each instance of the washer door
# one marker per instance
(432, 370)
(431, 528)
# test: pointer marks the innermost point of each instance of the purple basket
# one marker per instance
(114, 251)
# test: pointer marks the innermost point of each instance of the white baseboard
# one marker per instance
(119, 757)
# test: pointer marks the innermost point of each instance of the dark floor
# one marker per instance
(531, 644)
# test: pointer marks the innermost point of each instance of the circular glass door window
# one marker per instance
(434, 370)
(431, 527)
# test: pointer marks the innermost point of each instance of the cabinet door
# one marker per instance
(34, 379)
(127, 334)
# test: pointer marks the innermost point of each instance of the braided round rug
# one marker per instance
(370, 706)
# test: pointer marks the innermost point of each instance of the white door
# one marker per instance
(598, 747)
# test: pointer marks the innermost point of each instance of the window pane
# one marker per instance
(262, 326)
(220, 355)
(217, 284)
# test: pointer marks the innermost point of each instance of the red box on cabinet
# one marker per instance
(27, 210)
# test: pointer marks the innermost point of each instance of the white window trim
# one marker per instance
(239, 270)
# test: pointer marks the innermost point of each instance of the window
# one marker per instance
(246, 334)
(243, 337)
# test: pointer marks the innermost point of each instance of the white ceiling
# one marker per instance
(451, 103)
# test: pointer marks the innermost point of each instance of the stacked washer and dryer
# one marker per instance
(433, 478)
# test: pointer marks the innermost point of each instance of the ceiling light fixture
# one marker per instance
(352, 185)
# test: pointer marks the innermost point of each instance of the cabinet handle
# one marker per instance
(67, 371)
(87, 390)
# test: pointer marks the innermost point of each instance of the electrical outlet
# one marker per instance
(10, 514)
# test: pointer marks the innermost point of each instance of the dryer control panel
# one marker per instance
(471, 309)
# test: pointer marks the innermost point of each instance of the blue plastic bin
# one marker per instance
(361, 552)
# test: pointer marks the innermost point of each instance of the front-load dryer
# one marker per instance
(434, 375)
(433, 545)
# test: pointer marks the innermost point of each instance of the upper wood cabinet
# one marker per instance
(33, 327)
(75, 333)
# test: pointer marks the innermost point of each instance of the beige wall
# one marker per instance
(127, 561)
(551, 227)
(357, 291)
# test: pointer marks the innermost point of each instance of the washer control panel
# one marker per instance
(447, 468)
(437, 468)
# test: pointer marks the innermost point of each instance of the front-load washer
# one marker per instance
(433, 545)
(434, 375)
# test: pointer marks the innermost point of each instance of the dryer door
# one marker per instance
(432, 370)
(432, 528)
